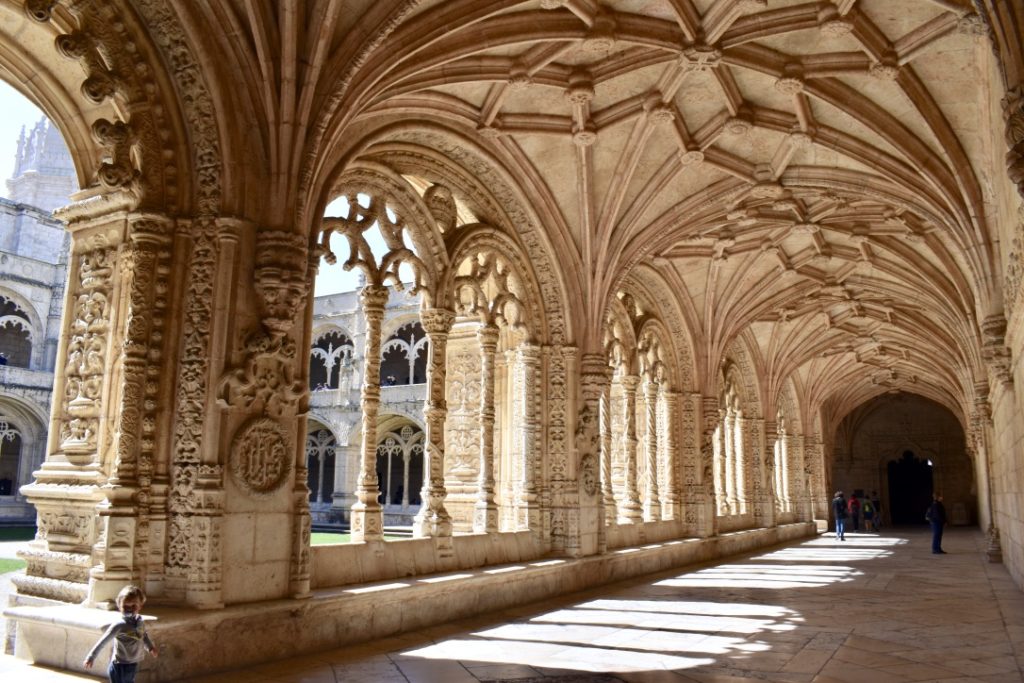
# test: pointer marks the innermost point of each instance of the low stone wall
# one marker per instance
(197, 642)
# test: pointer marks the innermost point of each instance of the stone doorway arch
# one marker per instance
(911, 482)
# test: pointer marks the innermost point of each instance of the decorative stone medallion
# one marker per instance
(260, 460)
(588, 475)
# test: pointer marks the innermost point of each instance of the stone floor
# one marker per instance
(873, 609)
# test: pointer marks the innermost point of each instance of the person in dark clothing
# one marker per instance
(876, 503)
(839, 511)
(936, 517)
(854, 508)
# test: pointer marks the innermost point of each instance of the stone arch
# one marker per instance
(739, 358)
(442, 155)
(378, 180)
(471, 240)
(124, 113)
(648, 280)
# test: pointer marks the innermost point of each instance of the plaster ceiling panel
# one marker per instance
(554, 159)
(659, 148)
(536, 99)
(685, 183)
(951, 69)
(843, 122)
(896, 19)
(753, 147)
(810, 41)
(699, 99)
(585, 54)
(636, 82)
(606, 152)
(473, 93)
(659, 9)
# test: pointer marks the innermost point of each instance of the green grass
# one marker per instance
(323, 538)
(17, 533)
(11, 565)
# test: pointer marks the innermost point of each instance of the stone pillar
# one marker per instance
(631, 510)
(433, 519)
(367, 515)
(744, 463)
(667, 445)
(605, 426)
(771, 474)
(652, 502)
(762, 469)
(527, 369)
(709, 423)
(731, 459)
(693, 503)
(485, 515)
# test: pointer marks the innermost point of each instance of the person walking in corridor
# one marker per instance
(936, 517)
(839, 511)
(854, 509)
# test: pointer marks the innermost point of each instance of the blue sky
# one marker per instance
(18, 111)
(15, 112)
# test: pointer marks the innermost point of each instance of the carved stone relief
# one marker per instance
(261, 457)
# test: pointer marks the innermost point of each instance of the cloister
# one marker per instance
(683, 268)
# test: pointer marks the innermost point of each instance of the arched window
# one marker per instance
(404, 356)
(10, 456)
(320, 453)
(400, 467)
(330, 361)
(15, 334)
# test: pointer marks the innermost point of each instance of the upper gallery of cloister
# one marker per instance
(670, 259)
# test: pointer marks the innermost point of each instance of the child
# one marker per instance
(129, 636)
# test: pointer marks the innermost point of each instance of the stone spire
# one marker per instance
(44, 174)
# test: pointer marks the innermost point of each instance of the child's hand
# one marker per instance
(87, 663)
(154, 651)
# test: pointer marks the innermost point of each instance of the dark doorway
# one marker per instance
(910, 489)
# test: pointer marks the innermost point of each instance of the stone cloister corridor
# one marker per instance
(671, 272)
(877, 608)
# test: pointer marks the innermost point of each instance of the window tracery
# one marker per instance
(15, 334)
(331, 362)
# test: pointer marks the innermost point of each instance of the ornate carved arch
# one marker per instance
(647, 280)
(467, 242)
(487, 186)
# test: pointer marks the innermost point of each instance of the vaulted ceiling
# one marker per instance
(814, 178)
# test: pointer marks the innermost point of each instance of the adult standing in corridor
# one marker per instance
(839, 511)
(936, 516)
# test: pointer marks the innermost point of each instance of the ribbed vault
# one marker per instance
(806, 175)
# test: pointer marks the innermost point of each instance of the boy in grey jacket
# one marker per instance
(129, 636)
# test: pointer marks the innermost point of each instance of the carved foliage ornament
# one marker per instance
(260, 456)
(280, 278)
(267, 377)
(85, 364)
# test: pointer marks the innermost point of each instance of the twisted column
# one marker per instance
(652, 503)
(631, 510)
(367, 514)
(605, 426)
(485, 514)
(667, 445)
(528, 367)
(433, 519)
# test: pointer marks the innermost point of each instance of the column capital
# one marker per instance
(437, 321)
(373, 298)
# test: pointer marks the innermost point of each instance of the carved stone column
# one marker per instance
(125, 516)
(631, 510)
(652, 502)
(771, 487)
(605, 426)
(709, 423)
(527, 368)
(485, 514)
(761, 468)
(433, 519)
(593, 383)
(731, 459)
(109, 370)
(799, 496)
(667, 420)
(981, 436)
(367, 515)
